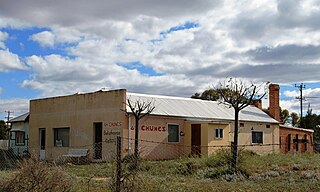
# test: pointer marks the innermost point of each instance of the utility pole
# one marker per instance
(8, 117)
(301, 86)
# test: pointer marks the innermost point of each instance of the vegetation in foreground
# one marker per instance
(273, 172)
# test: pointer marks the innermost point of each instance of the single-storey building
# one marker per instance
(293, 139)
(19, 134)
(177, 126)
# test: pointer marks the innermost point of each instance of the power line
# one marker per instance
(8, 117)
(301, 86)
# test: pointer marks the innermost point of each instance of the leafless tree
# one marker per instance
(139, 109)
(238, 95)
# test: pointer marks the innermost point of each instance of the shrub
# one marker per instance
(222, 157)
(36, 176)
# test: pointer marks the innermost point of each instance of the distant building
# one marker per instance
(19, 133)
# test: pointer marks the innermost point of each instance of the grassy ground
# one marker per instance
(274, 172)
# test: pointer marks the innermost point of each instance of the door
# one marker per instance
(97, 141)
(42, 139)
(196, 139)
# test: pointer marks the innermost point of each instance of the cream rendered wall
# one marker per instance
(214, 143)
(78, 112)
(208, 140)
(153, 136)
(270, 137)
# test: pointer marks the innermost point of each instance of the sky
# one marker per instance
(176, 48)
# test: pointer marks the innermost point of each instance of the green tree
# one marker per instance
(312, 121)
(209, 94)
(3, 130)
(294, 119)
(284, 116)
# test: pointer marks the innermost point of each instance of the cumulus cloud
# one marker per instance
(44, 38)
(3, 37)
(10, 61)
(66, 12)
(19, 106)
(311, 96)
(260, 41)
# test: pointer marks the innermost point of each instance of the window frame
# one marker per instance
(56, 137)
(252, 132)
(219, 133)
(178, 133)
(23, 138)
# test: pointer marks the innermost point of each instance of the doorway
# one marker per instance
(196, 139)
(42, 143)
(97, 140)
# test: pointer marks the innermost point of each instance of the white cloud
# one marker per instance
(18, 106)
(10, 61)
(260, 41)
(44, 38)
(310, 96)
(3, 37)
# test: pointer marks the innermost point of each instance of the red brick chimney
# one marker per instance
(274, 107)
(257, 103)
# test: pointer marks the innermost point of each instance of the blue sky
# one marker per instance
(167, 48)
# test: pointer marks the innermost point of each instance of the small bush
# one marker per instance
(222, 157)
(187, 168)
(36, 176)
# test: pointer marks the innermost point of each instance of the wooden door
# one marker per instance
(97, 141)
(196, 139)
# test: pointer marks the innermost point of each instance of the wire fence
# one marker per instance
(113, 166)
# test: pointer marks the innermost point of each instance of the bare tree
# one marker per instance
(238, 95)
(139, 109)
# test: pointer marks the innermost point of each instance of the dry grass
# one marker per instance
(274, 172)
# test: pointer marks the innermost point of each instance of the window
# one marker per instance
(61, 137)
(267, 126)
(219, 133)
(19, 138)
(241, 124)
(257, 137)
(173, 133)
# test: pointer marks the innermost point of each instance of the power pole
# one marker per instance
(8, 117)
(301, 86)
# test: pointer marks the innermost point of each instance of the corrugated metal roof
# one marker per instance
(198, 109)
(20, 118)
(296, 128)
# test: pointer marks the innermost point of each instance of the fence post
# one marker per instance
(118, 171)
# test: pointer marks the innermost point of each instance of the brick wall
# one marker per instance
(295, 140)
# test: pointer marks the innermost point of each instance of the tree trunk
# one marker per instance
(136, 142)
(235, 140)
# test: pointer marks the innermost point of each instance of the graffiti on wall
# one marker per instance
(111, 130)
(154, 128)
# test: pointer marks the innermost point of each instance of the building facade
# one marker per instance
(177, 126)
(293, 139)
(19, 134)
